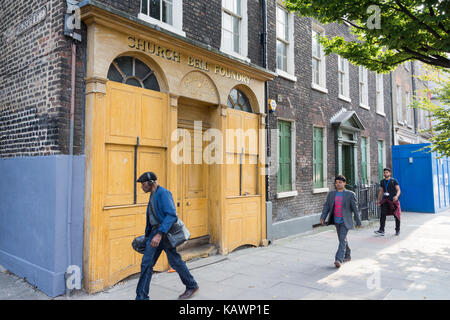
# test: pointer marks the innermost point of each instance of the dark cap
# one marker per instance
(387, 169)
(147, 176)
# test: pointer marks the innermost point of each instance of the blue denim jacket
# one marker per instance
(165, 211)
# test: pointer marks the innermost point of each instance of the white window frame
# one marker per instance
(177, 18)
(322, 85)
(380, 94)
(409, 115)
(364, 91)
(290, 63)
(293, 191)
(243, 32)
(346, 85)
(398, 104)
(325, 161)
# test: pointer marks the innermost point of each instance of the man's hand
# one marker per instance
(156, 240)
(322, 222)
(395, 198)
(358, 227)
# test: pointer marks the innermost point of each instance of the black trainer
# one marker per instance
(397, 233)
(380, 232)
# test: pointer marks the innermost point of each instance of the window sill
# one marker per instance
(319, 88)
(287, 194)
(401, 123)
(345, 98)
(364, 106)
(286, 75)
(320, 190)
(235, 55)
(381, 114)
(161, 24)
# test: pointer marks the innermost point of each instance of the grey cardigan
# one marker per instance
(348, 205)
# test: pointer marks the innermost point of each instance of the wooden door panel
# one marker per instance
(122, 114)
(150, 159)
(232, 176)
(196, 217)
(250, 175)
(119, 175)
(153, 119)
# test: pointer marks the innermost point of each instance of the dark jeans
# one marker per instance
(149, 259)
(343, 251)
(384, 212)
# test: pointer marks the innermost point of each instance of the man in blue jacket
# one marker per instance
(161, 214)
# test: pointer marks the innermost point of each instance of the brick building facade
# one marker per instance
(308, 107)
(35, 82)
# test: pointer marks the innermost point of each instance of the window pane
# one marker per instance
(114, 75)
(227, 40)
(237, 7)
(281, 56)
(155, 9)
(141, 69)
(126, 65)
(229, 4)
(144, 4)
(316, 71)
(167, 11)
(151, 83)
(227, 22)
(133, 82)
(236, 36)
(341, 83)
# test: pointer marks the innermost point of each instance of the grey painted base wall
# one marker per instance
(288, 227)
(33, 219)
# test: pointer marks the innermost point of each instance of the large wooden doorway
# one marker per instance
(192, 186)
(134, 142)
(193, 172)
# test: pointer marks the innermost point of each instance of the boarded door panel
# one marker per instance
(250, 175)
(119, 175)
(153, 120)
(122, 114)
(150, 159)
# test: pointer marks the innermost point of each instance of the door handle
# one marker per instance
(178, 204)
(188, 204)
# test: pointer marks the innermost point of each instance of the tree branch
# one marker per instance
(414, 18)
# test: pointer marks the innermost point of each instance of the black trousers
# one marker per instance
(384, 213)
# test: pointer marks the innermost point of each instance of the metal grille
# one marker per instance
(366, 197)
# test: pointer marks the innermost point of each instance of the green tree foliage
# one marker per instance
(439, 108)
(389, 32)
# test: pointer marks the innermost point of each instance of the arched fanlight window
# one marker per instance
(134, 72)
(239, 101)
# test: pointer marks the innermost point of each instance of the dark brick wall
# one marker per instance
(298, 101)
(35, 83)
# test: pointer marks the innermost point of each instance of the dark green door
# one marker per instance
(348, 165)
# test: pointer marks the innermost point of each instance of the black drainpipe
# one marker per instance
(266, 88)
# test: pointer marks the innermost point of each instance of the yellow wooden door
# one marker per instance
(193, 187)
(135, 142)
(243, 199)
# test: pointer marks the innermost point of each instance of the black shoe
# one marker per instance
(347, 259)
(380, 232)
(397, 233)
(188, 293)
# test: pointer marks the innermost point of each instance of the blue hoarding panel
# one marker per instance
(423, 178)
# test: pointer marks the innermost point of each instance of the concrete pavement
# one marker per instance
(415, 265)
